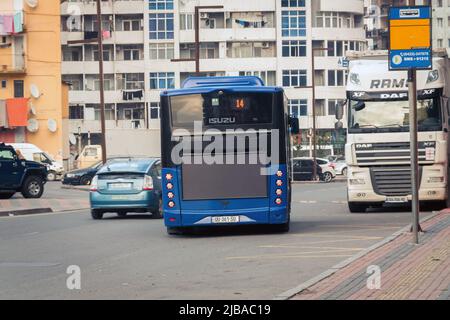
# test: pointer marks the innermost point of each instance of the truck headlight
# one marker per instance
(435, 179)
(356, 181)
(433, 76)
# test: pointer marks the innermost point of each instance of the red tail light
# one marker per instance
(169, 176)
(171, 204)
(148, 183)
(279, 183)
(278, 192)
(169, 186)
(278, 201)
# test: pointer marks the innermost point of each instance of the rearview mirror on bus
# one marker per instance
(294, 124)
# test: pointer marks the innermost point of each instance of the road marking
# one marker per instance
(29, 264)
(297, 256)
(11, 216)
(289, 246)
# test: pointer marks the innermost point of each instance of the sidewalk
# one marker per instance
(32, 206)
(407, 271)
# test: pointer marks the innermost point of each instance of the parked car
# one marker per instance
(132, 185)
(33, 153)
(81, 176)
(340, 167)
(20, 175)
(327, 171)
(303, 169)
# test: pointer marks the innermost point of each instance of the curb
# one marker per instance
(296, 290)
(25, 212)
(79, 188)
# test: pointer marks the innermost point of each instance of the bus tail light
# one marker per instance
(169, 176)
(148, 183)
(169, 186)
(170, 195)
(279, 183)
(278, 192)
(171, 204)
(278, 201)
(279, 173)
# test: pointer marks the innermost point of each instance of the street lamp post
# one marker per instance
(313, 87)
(197, 37)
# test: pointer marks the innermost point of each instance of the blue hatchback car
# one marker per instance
(132, 185)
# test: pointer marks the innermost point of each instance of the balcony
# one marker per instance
(338, 34)
(93, 126)
(229, 34)
(352, 6)
(15, 65)
(108, 7)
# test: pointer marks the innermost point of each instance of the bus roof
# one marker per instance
(198, 85)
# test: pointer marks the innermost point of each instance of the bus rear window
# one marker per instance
(214, 110)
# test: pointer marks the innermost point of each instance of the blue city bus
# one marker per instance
(234, 113)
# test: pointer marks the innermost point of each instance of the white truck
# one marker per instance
(377, 150)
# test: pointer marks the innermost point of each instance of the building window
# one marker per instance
(131, 53)
(298, 107)
(161, 26)
(294, 78)
(292, 3)
(161, 51)
(294, 48)
(160, 4)
(4, 82)
(18, 89)
(154, 110)
(130, 81)
(76, 112)
(293, 23)
(335, 78)
(269, 77)
(162, 80)
(186, 21)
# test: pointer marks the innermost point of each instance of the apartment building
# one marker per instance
(33, 102)
(272, 39)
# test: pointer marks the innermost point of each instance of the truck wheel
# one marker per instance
(33, 187)
(357, 207)
(85, 180)
(6, 195)
(51, 176)
(96, 215)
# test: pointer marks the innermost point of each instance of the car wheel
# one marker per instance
(85, 180)
(158, 213)
(33, 188)
(6, 195)
(96, 214)
(357, 207)
(344, 172)
(51, 176)
(327, 177)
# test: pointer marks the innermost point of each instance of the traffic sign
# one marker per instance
(410, 38)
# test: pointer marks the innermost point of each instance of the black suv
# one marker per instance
(18, 175)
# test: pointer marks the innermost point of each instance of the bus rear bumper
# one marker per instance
(173, 218)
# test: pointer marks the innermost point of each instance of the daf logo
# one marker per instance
(364, 145)
(393, 95)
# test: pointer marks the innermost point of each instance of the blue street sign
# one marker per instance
(407, 59)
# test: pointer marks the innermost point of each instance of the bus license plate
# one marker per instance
(225, 219)
(396, 199)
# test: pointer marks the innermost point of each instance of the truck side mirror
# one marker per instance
(339, 111)
(294, 124)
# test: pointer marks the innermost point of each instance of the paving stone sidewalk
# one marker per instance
(408, 271)
(29, 206)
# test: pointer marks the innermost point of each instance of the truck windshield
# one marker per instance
(393, 115)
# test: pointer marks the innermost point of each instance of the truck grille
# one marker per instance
(392, 181)
(392, 153)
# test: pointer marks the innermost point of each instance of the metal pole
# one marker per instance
(412, 91)
(313, 79)
(197, 40)
(101, 76)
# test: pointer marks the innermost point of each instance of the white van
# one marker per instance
(33, 153)
(90, 155)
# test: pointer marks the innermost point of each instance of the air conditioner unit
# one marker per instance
(203, 15)
(266, 45)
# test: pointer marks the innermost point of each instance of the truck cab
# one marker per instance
(378, 150)
(20, 175)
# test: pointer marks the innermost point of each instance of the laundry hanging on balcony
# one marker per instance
(106, 34)
(130, 95)
(6, 24)
(17, 112)
(18, 22)
(249, 24)
(90, 35)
